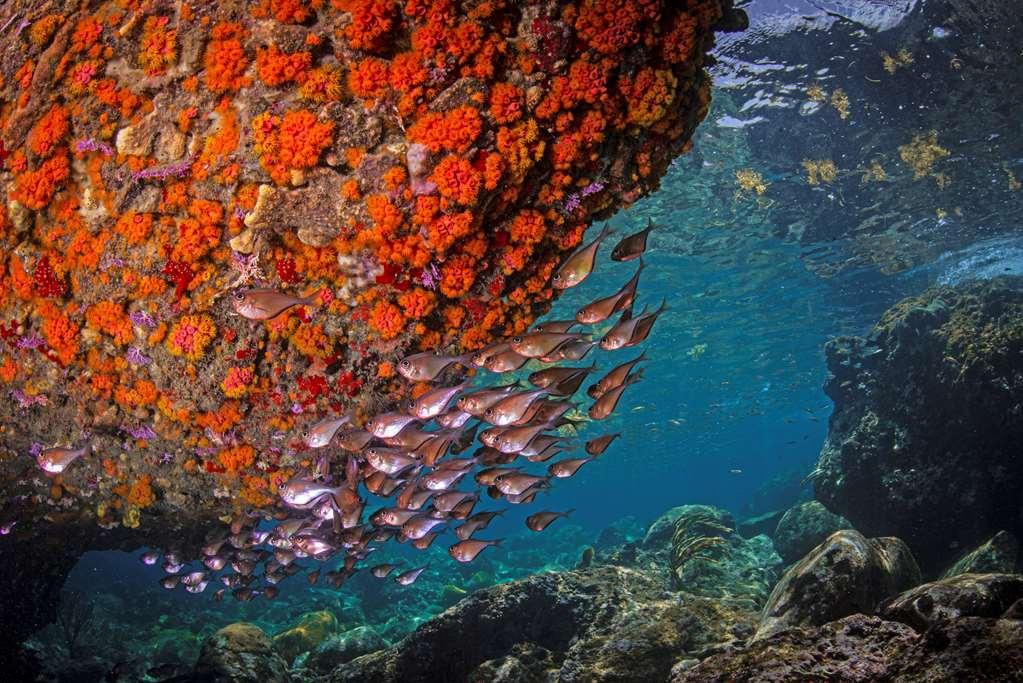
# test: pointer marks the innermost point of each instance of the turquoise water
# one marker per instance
(731, 411)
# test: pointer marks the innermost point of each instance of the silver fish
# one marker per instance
(320, 434)
(56, 460)
(264, 304)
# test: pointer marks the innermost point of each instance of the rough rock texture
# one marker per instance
(344, 647)
(862, 648)
(965, 595)
(310, 631)
(846, 574)
(418, 168)
(708, 558)
(1000, 553)
(240, 653)
(924, 440)
(804, 527)
(607, 623)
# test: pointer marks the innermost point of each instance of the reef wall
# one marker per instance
(417, 169)
(924, 440)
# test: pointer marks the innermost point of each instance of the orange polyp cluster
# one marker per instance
(650, 94)
(109, 317)
(49, 131)
(141, 493)
(191, 335)
(134, 227)
(291, 143)
(276, 67)
(453, 131)
(369, 78)
(387, 320)
(421, 166)
(457, 180)
(35, 189)
(236, 382)
(372, 21)
(157, 51)
(225, 58)
(237, 458)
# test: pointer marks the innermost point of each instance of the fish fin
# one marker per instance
(567, 512)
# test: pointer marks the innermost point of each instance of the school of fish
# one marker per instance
(417, 453)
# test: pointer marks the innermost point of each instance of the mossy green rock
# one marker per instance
(240, 653)
(803, 527)
(310, 631)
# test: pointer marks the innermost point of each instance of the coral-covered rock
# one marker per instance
(924, 440)
(311, 630)
(846, 574)
(607, 623)
(804, 527)
(418, 168)
(240, 653)
(1000, 553)
(965, 595)
(863, 648)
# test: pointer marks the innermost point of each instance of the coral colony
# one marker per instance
(416, 171)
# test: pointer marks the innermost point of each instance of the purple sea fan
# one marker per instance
(136, 357)
(30, 341)
(144, 432)
(26, 401)
(430, 277)
(179, 168)
(142, 318)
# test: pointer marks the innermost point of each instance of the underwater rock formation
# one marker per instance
(344, 647)
(240, 653)
(1000, 553)
(924, 440)
(803, 527)
(417, 168)
(311, 630)
(862, 648)
(965, 595)
(606, 623)
(708, 558)
(846, 574)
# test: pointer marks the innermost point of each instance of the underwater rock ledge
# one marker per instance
(418, 168)
(924, 441)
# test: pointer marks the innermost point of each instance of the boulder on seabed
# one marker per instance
(866, 648)
(344, 647)
(311, 630)
(240, 653)
(803, 527)
(964, 595)
(998, 554)
(846, 574)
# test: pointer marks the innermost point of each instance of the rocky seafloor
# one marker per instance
(852, 585)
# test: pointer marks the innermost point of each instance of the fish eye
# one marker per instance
(405, 363)
(557, 276)
(516, 340)
(239, 295)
